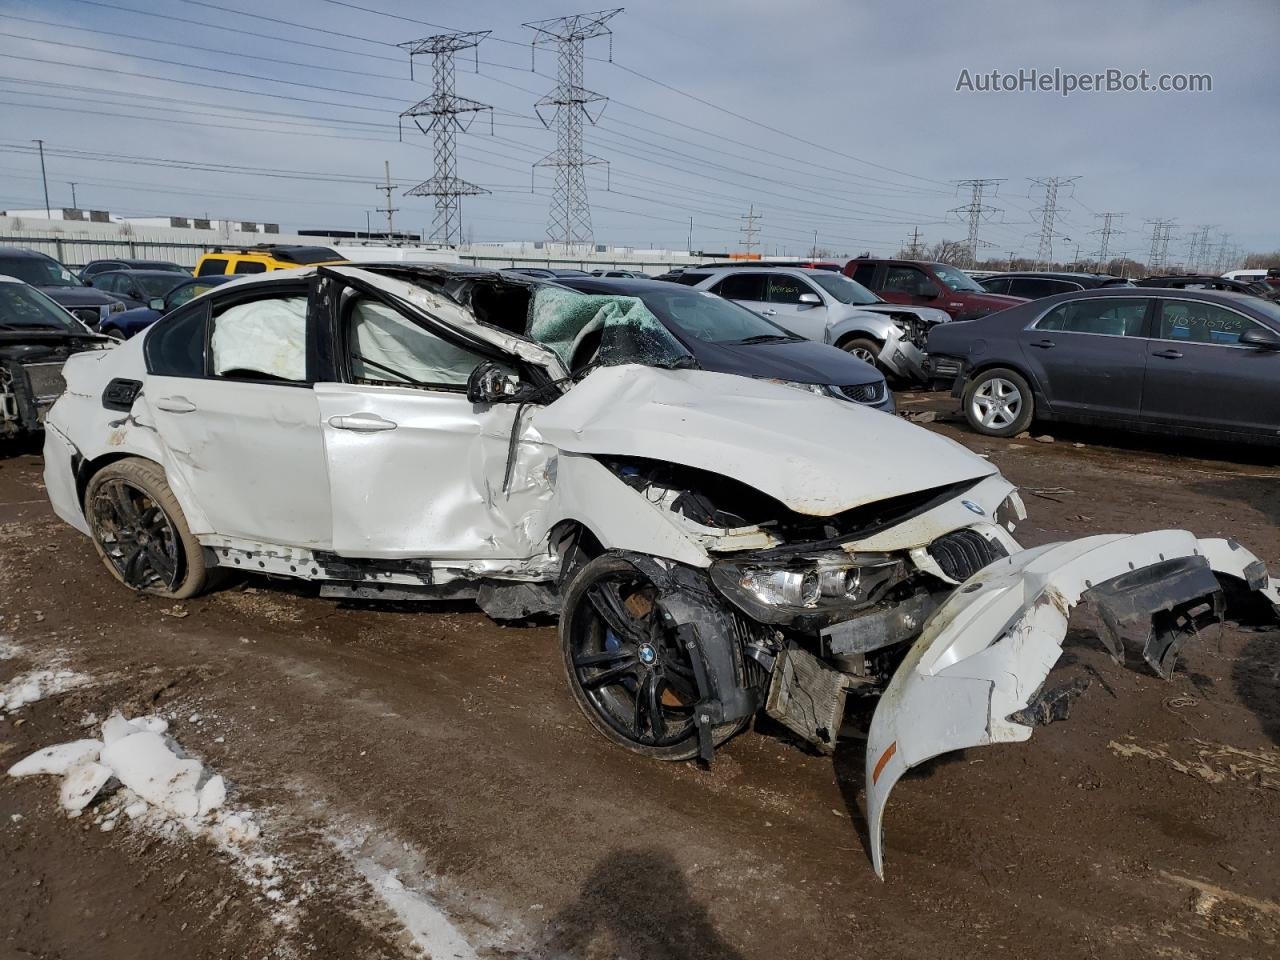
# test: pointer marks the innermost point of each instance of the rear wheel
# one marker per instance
(140, 533)
(629, 674)
(999, 403)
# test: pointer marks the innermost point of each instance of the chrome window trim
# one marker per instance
(1035, 322)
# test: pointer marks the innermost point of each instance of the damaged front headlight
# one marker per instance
(829, 585)
(815, 388)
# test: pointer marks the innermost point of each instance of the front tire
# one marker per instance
(999, 403)
(140, 533)
(627, 671)
(864, 348)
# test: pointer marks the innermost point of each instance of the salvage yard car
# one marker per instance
(714, 545)
(36, 337)
(1181, 362)
(727, 338)
(828, 307)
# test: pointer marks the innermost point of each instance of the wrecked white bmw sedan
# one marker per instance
(714, 545)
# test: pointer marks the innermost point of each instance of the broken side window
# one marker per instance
(608, 330)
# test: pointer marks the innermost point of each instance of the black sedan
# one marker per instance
(726, 338)
(1186, 362)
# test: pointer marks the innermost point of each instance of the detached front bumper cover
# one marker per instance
(985, 653)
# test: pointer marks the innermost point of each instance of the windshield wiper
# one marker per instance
(770, 338)
(33, 326)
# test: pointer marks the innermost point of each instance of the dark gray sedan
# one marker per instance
(1188, 362)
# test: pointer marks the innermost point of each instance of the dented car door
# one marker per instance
(416, 469)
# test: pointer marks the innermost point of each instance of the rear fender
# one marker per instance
(981, 662)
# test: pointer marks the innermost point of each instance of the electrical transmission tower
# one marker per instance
(569, 219)
(449, 114)
(749, 228)
(1048, 212)
(1110, 227)
(977, 211)
(1198, 247)
(1159, 254)
(1220, 262)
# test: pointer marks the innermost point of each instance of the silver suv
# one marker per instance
(828, 307)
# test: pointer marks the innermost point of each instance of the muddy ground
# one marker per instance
(436, 744)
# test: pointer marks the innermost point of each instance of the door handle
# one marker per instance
(362, 422)
(1168, 354)
(176, 405)
(1043, 344)
(768, 313)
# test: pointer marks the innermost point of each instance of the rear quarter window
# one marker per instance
(250, 266)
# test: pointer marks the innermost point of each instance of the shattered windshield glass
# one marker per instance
(607, 330)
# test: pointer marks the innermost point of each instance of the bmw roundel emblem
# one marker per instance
(974, 508)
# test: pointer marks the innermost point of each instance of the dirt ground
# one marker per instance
(428, 750)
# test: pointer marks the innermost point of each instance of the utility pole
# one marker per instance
(368, 224)
(813, 253)
(749, 228)
(1011, 255)
(447, 111)
(569, 218)
(976, 211)
(72, 184)
(1159, 254)
(913, 245)
(44, 179)
(388, 209)
(1048, 211)
(690, 247)
(1109, 228)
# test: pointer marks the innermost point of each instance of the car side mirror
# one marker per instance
(491, 383)
(156, 303)
(928, 290)
(1260, 339)
(810, 300)
(87, 283)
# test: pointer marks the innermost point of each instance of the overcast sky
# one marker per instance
(848, 119)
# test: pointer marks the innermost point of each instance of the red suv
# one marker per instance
(923, 284)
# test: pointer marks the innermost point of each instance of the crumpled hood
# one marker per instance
(818, 455)
(927, 314)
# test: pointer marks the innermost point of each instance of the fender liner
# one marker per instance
(712, 635)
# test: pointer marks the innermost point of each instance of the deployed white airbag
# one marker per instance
(263, 336)
(388, 346)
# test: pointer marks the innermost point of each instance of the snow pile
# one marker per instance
(8, 649)
(36, 685)
(138, 773)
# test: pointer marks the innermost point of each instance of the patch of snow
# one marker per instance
(56, 761)
(159, 788)
(143, 762)
(429, 927)
(31, 687)
(82, 784)
(8, 649)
